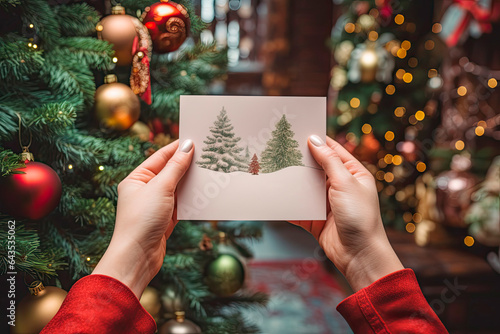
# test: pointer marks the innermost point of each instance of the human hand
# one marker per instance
(145, 218)
(353, 235)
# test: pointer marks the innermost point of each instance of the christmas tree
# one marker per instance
(404, 98)
(85, 142)
(254, 165)
(281, 150)
(222, 153)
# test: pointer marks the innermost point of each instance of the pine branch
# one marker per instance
(78, 19)
(44, 20)
(8, 162)
(10, 3)
(18, 60)
(8, 124)
(94, 53)
(51, 119)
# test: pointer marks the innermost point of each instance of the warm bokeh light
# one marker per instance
(355, 102)
(479, 131)
(373, 36)
(417, 217)
(349, 28)
(389, 136)
(407, 217)
(459, 145)
(406, 45)
(429, 44)
(390, 89)
(421, 167)
(413, 62)
(379, 175)
(399, 19)
(461, 90)
(399, 111)
(436, 28)
(115, 59)
(397, 160)
(410, 227)
(407, 77)
(366, 128)
(101, 168)
(492, 83)
(31, 25)
(401, 53)
(469, 241)
(388, 158)
(420, 115)
(100, 27)
(400, 73)
(389, 177)
(432, 73)
(70, 166)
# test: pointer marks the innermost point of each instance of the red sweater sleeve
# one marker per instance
(100, 304)
(392, 304)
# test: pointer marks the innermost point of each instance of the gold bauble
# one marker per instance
(35, 311)
(116, 105)
(119, 30)
(171, 300)
(368, 64)
(150, 300)
(179, 325)
(141, 131)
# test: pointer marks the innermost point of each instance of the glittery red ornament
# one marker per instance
(33, 194)
(168, 24)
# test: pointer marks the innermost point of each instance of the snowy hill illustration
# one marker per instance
(210, 194)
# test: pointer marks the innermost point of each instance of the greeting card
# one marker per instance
(251, 160)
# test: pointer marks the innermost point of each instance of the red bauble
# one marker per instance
(31, 195)
(168, 24)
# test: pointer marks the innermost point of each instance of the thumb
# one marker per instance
(176, 167)
(329, 160)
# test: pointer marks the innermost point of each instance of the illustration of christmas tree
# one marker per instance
(254, 165)
(281, 150)
(86, 136)
(222, 153)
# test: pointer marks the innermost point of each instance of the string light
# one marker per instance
(35, 46)
(30, 45)
(366, 128)
(399, 19)
(349, 28)
(420, 115)
(459, 145)
(469, 241)
(373, 36)
(407, 77)
(389, 136)
(400, 73)
(432, 73)
(389, 177)
(70, 166)
(31, 25)
(399, 111)
(390, 89)
(101, 168)
(388, 159)
(421, 167)
(406, 45)
(397, 160)
(479, 131)
(436, 28)
(355, 102)
(429, 44)
(492, 82)
(99, 27)
(88, 259)
(461, 90)
(115, 59)
(410, 227)
(401, 53)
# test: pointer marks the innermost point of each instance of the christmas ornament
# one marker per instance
(454, 190)
(35, 311)
(171, 300)
(150, 300)
(132, 46)
(141, 131)
(168, 24)
(464, 18)
(225, 275)
(371, 61)
(116, 105)
(179, 325)
(32, 192)
(483, 215)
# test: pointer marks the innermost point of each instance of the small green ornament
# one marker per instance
(225, 275)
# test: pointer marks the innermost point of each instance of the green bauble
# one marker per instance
(225, 275)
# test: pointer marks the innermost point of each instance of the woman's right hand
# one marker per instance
(353, 235)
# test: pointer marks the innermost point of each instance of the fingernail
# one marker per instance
(317, 141)
(187, 145)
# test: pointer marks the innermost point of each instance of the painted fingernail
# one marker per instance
(317, 141)
(187, 145)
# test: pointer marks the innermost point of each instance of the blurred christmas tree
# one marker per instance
(406, 98)
(50, 65)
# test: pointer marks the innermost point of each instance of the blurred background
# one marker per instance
(412, 91)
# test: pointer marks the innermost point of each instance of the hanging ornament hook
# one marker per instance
(26, 155)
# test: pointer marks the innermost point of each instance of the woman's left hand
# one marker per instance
(145, 218)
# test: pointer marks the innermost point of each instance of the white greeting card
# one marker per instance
(251, 160)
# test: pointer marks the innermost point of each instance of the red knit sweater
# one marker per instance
(102, 304)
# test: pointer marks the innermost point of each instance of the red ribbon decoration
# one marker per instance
(473, 11)
(146, 96)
